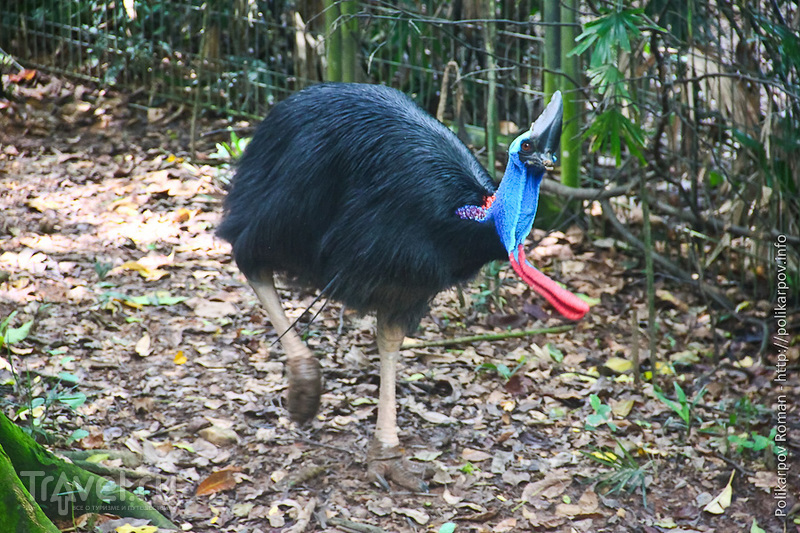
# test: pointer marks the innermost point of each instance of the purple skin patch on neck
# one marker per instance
(477, 213)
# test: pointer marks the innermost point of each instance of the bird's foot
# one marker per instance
(305, 388)
(385, 463)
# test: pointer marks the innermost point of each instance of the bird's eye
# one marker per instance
(526, 147)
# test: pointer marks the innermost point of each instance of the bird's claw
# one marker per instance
(385, 463)
(305, 388)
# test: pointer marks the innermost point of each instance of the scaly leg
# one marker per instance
(302, 368)
(385, 456)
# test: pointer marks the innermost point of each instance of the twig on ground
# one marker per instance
(116, 472)
(165, 431)
(129, 459)
(306, 440)
(355, 526)
(412, 343)
(303, 517)
(637, 376)
(734, 464)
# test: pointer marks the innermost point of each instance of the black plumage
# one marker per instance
(356, 191)
(354, 188)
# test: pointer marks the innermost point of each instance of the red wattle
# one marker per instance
(566, 303)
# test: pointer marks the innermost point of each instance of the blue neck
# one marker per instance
(514, 207)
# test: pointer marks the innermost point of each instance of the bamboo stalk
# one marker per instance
(490, 34)
(650, 277)
(552, 43)
(333, 41)
(571, 133)
(349, 41)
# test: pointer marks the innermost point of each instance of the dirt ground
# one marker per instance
(107, 244)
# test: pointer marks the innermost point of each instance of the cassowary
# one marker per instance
(354, 190)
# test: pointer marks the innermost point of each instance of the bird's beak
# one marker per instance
(546, 131)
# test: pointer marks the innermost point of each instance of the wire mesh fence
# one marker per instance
(241, 57)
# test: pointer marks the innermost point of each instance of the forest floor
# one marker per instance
(107, 244)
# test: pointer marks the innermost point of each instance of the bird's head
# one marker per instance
(536, 150)
(514, 207)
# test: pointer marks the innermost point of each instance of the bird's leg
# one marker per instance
(302, 368)
(385, 456)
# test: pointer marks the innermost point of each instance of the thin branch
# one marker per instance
(354, 526)
(413, 343)
(676, 271)
(666, 264)
(584, 193)
(11, 60)
(741, 77)
(721, 226)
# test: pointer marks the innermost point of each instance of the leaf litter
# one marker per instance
(107, 246)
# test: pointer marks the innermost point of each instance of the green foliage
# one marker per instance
(227, 153)
(602, 415)
(102, 269)
(626, 472)
(9, 336)
(448, 527)
(230, 151)
(469, 468)
(787, 41)
(610, 129)
(489, 285)
(746, 414)
(753, 442)
(754, 527)
(141, 492)
(555, 354)
(614, 32)
(112, 299)
(500, 369)
(682, 407)
(36, 409)
(741, 430)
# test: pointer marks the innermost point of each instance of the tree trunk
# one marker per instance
(18, 510)
(62, 490)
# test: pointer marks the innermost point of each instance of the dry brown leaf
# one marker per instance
(211, 308)
(667, 296)
(509, 524)
(142, 347)
(420, 517)
(587, 505)
(552, 486)
(764, 480)
(621, 408)
(449, 497)
(217, 482)
(145, 272)
(723, 500)
(474, 456)
(219, 436)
